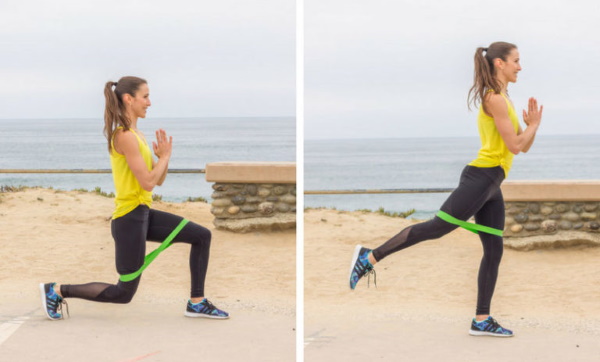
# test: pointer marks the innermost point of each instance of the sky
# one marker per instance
(225, 58)
(383, 69)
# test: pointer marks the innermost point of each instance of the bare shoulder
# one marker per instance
(124, 140)
(495, 104)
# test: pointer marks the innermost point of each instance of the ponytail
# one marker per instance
(484, 76)
(114, 111)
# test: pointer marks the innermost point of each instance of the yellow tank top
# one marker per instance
(129, 192)
(493, 150)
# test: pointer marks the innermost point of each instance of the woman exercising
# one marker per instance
(478, 193)
(135, 174)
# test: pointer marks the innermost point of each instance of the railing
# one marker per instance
(99, 170)
(378, 191)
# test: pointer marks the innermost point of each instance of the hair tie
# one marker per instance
(115, 84)
(485, 49)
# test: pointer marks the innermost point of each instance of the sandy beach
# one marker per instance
(425, 297)
(49, 235)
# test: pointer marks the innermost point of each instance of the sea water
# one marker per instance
(80, 144)
(429, 163)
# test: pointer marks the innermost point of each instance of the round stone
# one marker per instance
(594, 225)
(578, 208)
(266, 208)
(534, 207)
(570, 216)
(221, 202)
(220, 187)
(549, 226)
(513, 210)
(590, 207)
(217, 210)
(565, 225)
(578, 225)
(289, 199)
(281, 207)
(238, 200)
(561, 208)
(232, 192)
(253, 200)
(218, 195)
(546, 210)
(521, 218)
(264, 192)
(249, 209)
(280, 190)
(272, 198)
(536, 218)
(588, 216)
(516, 228)
(508, 220)
(233, 210)
(532, 227)
(252, 189)
(554, 217)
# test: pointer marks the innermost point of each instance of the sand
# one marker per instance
(49, 235)
(426, 294)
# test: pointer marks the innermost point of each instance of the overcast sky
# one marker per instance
(403, 68)
(201, 58)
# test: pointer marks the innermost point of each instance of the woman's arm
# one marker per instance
(519, 142)
(126, 143)
(527, 146)
(163, 176)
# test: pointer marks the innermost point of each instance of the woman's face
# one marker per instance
(141, 101)
(508, 69)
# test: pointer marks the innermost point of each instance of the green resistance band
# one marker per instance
(467, 225)
(150, 257)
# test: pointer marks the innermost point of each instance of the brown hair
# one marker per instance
(114, 111)
(484, 77)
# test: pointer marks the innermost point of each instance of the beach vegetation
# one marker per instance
(382, 211)
(197, 199)
(7, 188)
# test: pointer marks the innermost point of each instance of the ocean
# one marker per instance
(80, 144)
(429, 163)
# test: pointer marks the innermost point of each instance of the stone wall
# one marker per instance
(551, 213)
(240, 201)
(253, 195)
(535, 218)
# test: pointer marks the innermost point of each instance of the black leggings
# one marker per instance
(478, 194)
(130, 233)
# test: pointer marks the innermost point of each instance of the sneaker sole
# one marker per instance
(44, 306)
(490, 334)
(200, 315)
(354, 259)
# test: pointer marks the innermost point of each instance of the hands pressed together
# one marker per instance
(533, 116)
(163, 145)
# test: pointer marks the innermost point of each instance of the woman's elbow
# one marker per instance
(515, 150)
(147, 186)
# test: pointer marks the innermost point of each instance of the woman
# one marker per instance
(478, 193)
(135, 174)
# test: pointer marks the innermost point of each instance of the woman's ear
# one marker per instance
(127, 99)
(498, 63)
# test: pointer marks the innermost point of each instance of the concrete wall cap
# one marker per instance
(251, 172)
(551, 190)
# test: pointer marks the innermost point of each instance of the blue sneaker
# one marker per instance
(489, 327)
(204, 309)
(52, 302)
(360, 266)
